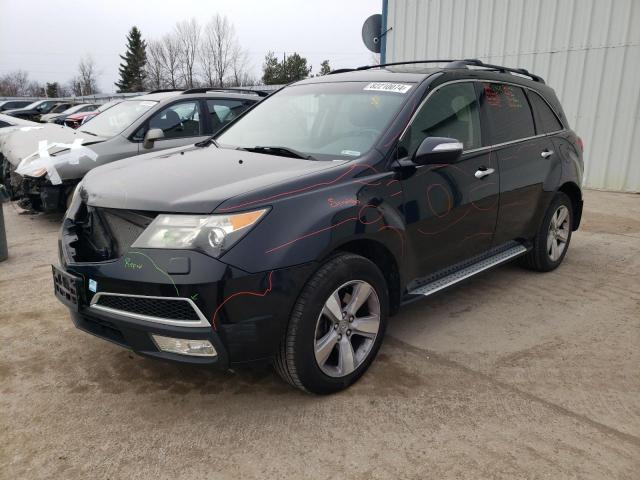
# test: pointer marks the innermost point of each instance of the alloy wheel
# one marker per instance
(558, 234)
(347, 328)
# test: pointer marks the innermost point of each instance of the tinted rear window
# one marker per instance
(508, 112)
(546, 120)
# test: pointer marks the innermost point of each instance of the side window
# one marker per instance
(508, 112)
(451, 111)
(178, 120)
(546, 120)
(222, 112)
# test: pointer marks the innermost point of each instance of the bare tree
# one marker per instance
(239, 59)
(172, 60)
(14, 84)
(220, 39)
(75, 86)
(87, 75)
(207, 54)
(188, 34)
(156, 64)
(35, 89)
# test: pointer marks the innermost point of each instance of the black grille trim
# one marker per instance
(162, 308)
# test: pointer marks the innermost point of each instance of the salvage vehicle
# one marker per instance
(293, 234)
(11, 104)
(9, 121)
(34, 110)
(59, 117)
(58, 159)
(77, 119)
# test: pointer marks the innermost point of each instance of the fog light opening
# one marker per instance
(184, 346)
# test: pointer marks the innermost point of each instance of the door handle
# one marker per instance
(483, 172)
(546, 153)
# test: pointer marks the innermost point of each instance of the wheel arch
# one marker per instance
(575, 195)
(384, 259)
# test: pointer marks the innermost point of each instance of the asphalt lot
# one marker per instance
(514, 374)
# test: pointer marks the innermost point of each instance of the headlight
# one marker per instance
(212, 234)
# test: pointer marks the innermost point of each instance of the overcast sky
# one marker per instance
(48, 37)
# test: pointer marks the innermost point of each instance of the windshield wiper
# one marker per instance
(281, 151)
(90, 133)
(208, 141)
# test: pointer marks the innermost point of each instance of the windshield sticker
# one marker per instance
(388, 87)
(353, 153)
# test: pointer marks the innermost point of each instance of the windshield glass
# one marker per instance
(34, 104)
(325, 120)
(117, 118)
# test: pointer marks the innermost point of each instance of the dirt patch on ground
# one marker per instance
(512, 375)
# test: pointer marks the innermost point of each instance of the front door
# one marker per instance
(181, 124)
(450, 209)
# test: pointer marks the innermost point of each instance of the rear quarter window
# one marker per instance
(507, 111)
(546, 120)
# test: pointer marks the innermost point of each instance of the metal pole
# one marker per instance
(4, 252)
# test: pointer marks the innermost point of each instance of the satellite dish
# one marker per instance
(371, 30)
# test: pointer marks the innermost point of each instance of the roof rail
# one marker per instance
(450, 64)
(162, 90)
(229, 90)
(474, 62)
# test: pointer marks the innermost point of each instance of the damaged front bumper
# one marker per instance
(127, 295)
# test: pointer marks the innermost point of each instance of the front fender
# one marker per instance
(307, 224)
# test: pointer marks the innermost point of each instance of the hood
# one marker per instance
(19, 111)
(25, 141)
(190, 180)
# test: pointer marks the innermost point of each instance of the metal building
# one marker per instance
(587, 50)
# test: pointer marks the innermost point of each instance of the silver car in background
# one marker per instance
(44, 165)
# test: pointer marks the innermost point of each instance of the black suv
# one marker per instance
(293, 234)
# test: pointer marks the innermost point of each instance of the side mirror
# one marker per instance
(438, 150)
(151, 136)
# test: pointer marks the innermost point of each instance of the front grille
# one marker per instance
(122, 229)
(100, 234)
(178, 309)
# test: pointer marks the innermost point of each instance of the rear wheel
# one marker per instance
(551, 242)
(336, 327)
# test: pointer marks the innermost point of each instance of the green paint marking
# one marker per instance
(129, 264)
(156, 267)
(194, 296)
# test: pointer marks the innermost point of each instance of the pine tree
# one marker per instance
(325, 68)
(51, 90)
(132, 71)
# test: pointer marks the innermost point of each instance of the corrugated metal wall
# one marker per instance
(587, 50)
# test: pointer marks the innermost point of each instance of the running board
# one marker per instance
(461, 271)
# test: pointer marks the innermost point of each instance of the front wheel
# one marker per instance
(336, 326)
(551, 242)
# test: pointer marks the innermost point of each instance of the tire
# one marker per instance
(542, 258)
(313, 324)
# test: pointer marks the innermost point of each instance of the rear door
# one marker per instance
(525, 159)
(222, 111)
(450, 212)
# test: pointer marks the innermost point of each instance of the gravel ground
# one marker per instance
(512, 375)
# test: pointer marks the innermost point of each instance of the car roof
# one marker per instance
(387, 74)
(419, 70)
(166, 96)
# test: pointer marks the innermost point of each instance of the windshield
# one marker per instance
(73, 109)
(117, 118)
(324, 120)
(34, 104)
